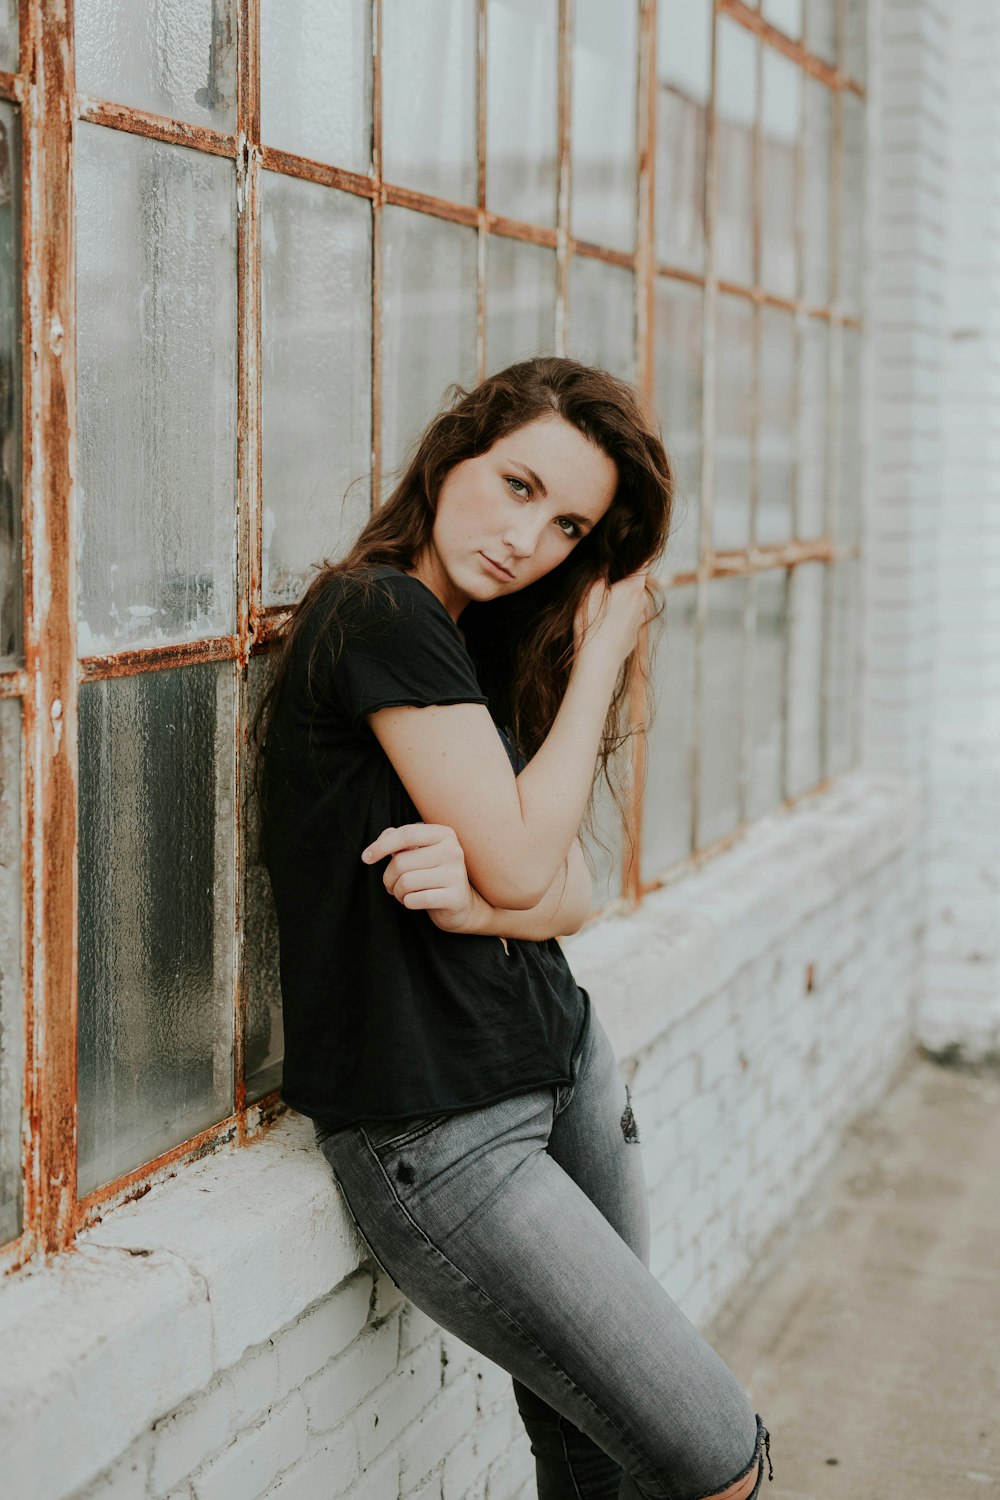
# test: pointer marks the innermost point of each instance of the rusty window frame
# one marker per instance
(47, 683)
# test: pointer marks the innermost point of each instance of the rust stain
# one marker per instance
(12, 87)
(158, 658)
(319, 172)
(155, 127)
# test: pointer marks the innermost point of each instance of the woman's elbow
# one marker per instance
(511, 890)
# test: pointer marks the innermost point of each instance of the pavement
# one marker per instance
(869, 1336)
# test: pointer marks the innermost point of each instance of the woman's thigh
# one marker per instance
(481, 1227)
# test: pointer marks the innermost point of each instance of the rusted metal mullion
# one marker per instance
(677, 273)
(428, 203)
(157, 658)
(377, 204)
(249, 557)
(156, 127)
(833, 400)
(12, 87)
(514, 229)
(319, 172)
(50, 636)
(645, 332)
(795, 51)
(564, 191)
(482, 228)
(14, 684)
(601, 252)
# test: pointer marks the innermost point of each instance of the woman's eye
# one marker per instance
(570, 528)
(520, 488)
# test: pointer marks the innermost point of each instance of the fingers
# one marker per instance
(409, 836)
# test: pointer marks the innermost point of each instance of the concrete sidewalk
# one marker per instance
(869, 1341)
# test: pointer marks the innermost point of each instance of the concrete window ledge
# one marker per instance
(168, 1291)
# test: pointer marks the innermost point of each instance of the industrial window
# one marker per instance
(243, 249)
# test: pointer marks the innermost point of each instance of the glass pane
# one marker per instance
(173, 57)
(316, 377)
(805, 674)
(316, 80)
(821, 28)
(602, 316)
(666, 810)
(8, 36)
(679, 322)
(736, 111)
(520, 301)
(841, 682)
(11, 998)
(813, 420)
(684, 71)
(156, 914)
(776, 394)
(603, 141)
(849, 486)
(817, 192)
(10, 384)
(605, 847)
(265, 1039)
(785, 14)
(156, 347)
(852, 204)
(722, 690)
(429, 96)
(734, 325)
(766, 685)
(522, 99)
(780, 112)
(428, 323)
(855, 44)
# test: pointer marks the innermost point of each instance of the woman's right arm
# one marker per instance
(516, 832)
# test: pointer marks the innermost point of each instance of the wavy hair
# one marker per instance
(521, 643)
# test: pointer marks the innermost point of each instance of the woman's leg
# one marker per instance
(482, 1228)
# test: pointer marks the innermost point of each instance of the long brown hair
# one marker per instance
(521, 643)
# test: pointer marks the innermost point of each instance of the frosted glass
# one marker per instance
(602, 316)
(679, 323)
(156, 349)
(265, 1040)
(428, 324)
(821, 28)
(767, 690)
(736, 112)
(817, 193)
(813, 393)
(603, 127)
(722, 690)
(781, 109)
(852, 204)
(684, 71)
(805, 676)
(848, 518)
(316, 80)
(666, 813)
(522, 102)
(605, 847)
(734, 321)
(520, 301)
(776, 388)
(8, 36)
(156, 914)
(316, 377)
(429, 96)
(842, 671)
(11, 996)
(173, 57)
(785, 14)
(10, 385)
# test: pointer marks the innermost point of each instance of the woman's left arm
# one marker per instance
(427, 873)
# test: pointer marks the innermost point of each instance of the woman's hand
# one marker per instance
(426, 872)
(610, 616)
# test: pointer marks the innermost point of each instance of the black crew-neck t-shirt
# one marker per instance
(385, 1015)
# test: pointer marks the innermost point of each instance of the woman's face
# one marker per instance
(515, 512)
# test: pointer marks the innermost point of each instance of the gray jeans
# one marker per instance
(522, 1227)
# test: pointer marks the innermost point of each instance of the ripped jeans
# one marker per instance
(522, 1227)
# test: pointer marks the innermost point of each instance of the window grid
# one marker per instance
(47, 684)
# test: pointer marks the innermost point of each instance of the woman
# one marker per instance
(423, 864)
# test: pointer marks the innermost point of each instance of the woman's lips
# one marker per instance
(496, 568)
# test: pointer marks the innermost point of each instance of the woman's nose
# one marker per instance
(522, 536)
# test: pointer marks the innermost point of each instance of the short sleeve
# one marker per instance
(400, 646)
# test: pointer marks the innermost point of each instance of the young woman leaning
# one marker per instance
(444, 698)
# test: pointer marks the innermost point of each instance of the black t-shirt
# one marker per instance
(386, 1016)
